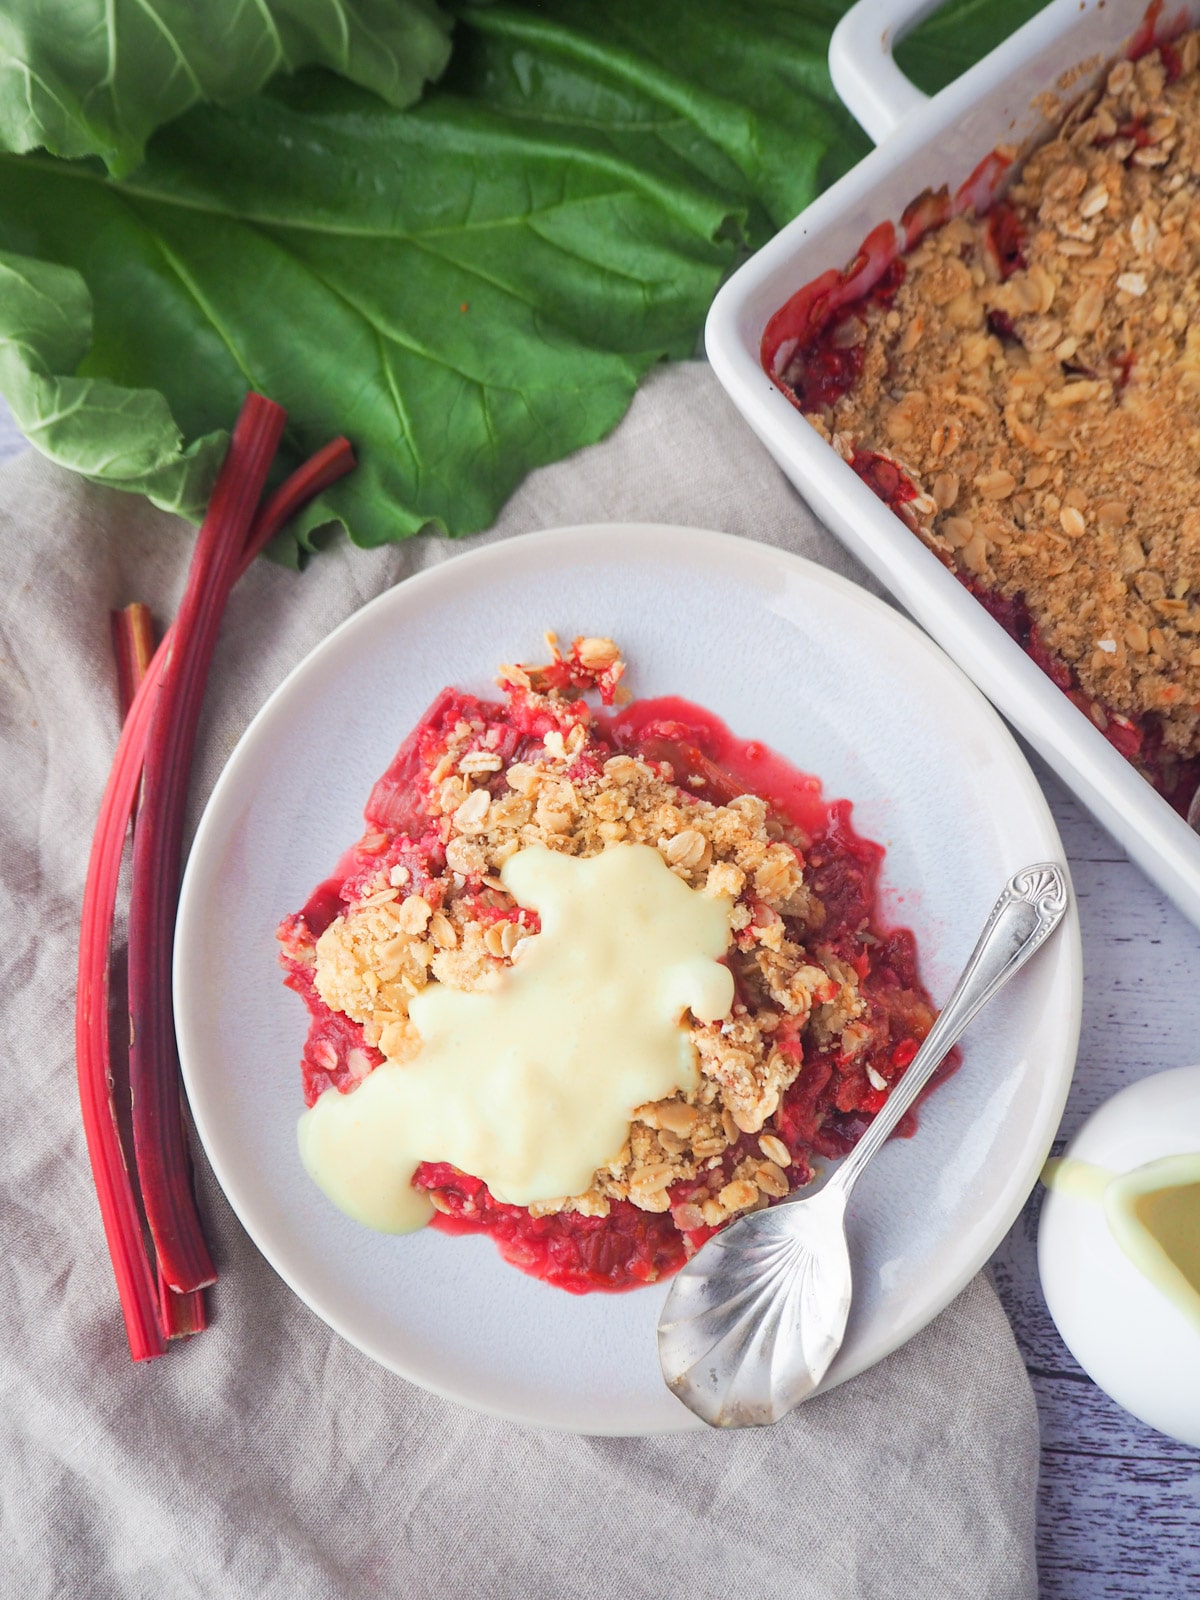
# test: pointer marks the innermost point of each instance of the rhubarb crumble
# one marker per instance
(828, 1007)
(1023, 387)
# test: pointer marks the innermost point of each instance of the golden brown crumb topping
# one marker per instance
(1051, 419)
(465, 930)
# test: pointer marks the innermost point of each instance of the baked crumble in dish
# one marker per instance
(1022, 386)
(828, 1005)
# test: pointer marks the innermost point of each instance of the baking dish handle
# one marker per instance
(862, 66)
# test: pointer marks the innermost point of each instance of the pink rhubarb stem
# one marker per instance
(158, 1138)
(118, 1208)
(136, 1285)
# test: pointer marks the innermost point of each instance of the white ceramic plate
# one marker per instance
(782, 650)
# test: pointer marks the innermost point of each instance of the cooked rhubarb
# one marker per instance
(827, 1003)
(1020, 385)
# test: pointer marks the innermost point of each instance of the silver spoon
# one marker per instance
(753, 1321)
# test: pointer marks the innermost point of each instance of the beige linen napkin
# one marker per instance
(268, 1459)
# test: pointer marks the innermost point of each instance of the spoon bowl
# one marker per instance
(754, 1320)
(760, 1313)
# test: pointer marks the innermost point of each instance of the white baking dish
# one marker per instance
(924, 143)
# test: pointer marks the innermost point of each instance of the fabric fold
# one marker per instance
(269, 1458)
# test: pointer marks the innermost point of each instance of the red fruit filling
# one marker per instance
(1020, 388)
(835, 1082)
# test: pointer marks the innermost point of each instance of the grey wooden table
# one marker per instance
(1118, 1504)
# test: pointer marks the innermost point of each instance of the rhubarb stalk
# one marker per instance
(133, 646)
(158, 842)
(136, 1285)
(118, 1207)
(180, 1315)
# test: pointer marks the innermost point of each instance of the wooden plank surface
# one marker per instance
(1118, 1504)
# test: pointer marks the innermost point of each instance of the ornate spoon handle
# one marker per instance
(1027, 912)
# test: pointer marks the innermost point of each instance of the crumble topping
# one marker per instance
(1044, 398)
(451, 921)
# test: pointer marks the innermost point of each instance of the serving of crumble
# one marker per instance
(828, 1006)
(1024, 390)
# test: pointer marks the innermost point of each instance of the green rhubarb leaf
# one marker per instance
(120, 436)
(97, 77)
(467, 289)
(739, 89)
(958, 36)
